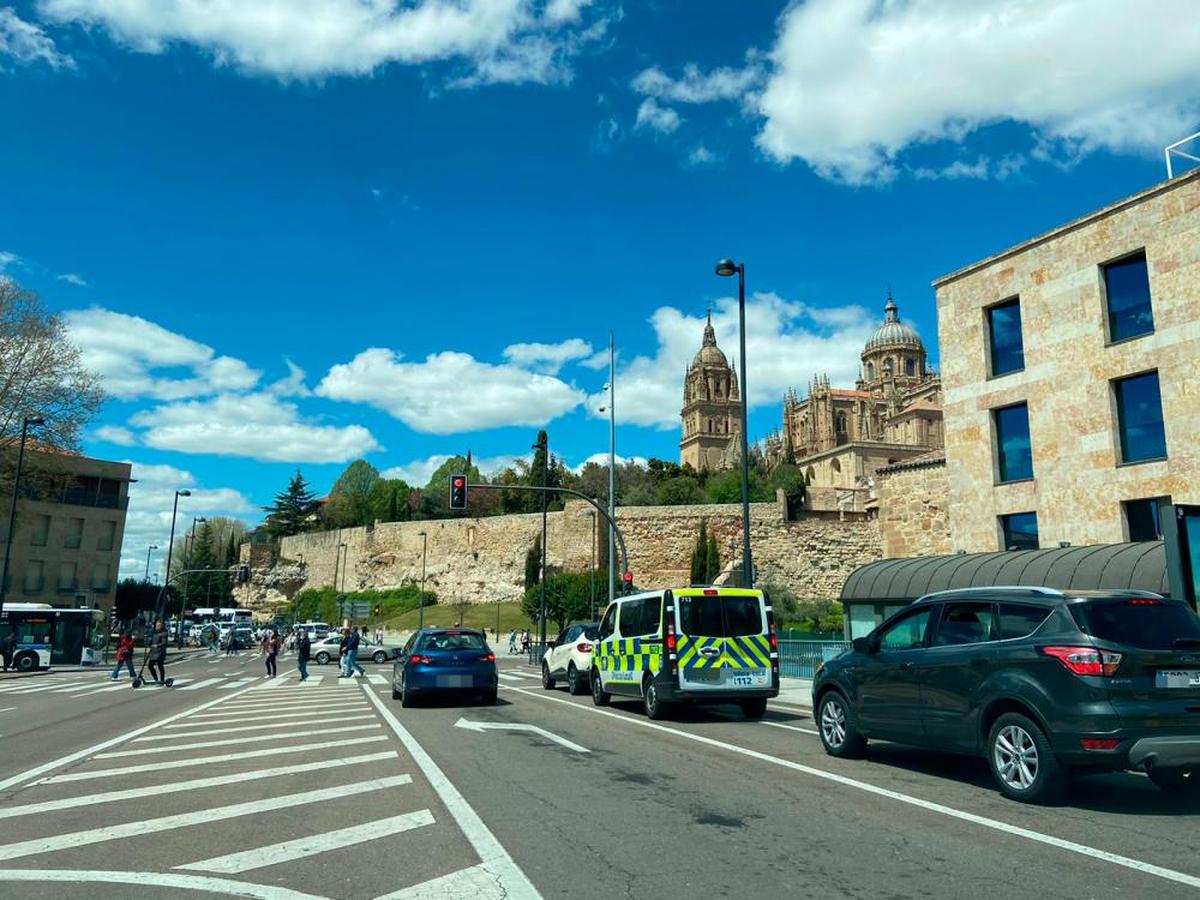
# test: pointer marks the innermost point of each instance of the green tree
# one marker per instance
(294, 511)
(712, 559)
(435, 498)
(795, 486)
(352, 497)
(700, 556)
(679, 490)
(568, 599)
(533, 563)
(726, 487)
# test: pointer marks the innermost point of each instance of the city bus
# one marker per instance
(204, 615)
(48, 635)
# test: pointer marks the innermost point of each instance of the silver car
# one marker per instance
(329, 650)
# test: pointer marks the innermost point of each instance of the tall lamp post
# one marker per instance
(421, 597)
(611, 409)
(171, 544)
(543, 444)
(12, 509)
(148, 549)
(726, 268)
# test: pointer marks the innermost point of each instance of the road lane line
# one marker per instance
(237, 684)
(995, 824)
(227, 742)
(508, 677)
(282, 727)
(274, 703)
(299, 848)
(8, 709)
(205, 760)
(376, 679)
(202, 684)
(515, 884)
(30, 774)
(55, 842)
(160, 879)
(779, 725)
(476, 883)
(29, 809)
(251, 715)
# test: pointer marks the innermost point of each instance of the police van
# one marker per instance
(690, 645)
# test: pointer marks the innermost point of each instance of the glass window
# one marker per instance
(964, 623)
(609, 624)
(1018, 620)
(907, 633)
(74, 537)
(1146, 624)
(862, 619)
(640, 617)
(1140, 418)
(102, 577)
(41, 531)
(1127, 292)
(1144, 518)
(453, 640)
(910, 367)
(66, 576)
(108, 536)
(743, 616)
(720, 616)
(1020, 531)
(1007, 350)
(1014, 451)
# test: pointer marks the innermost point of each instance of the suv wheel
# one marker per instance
(547, 681)
(839, 727)
(599, 696)
(574, 683)
(655, 708)
(1178, 781)
(1022, 760)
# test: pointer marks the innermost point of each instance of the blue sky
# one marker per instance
(292, 233)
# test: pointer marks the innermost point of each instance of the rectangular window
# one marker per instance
(108, 536)
(1140, 418)
(1014, 451)
(35, 579)
(102, 577)
(1143, 518)
(74, 538)
(40, 533)
(66, 577)
(1004, 337)
(1136, 623)
(862, 619)
(1020, 531)
(1018, 620)
(1127, 296)
(964, 623)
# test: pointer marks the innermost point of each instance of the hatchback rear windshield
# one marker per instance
(1148, 625)
(720, 616)
(452, 641)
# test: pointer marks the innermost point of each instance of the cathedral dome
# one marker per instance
(893, 331)
(709, 354)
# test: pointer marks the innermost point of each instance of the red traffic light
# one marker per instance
(459, 482)
(628, 577)
(458, 491)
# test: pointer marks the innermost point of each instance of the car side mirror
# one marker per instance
(864, 645)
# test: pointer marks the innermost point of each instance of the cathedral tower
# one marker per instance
(711, 408)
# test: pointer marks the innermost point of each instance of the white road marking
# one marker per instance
(56, 842)
(475, 883)
(138, 793)
(160, 879)
(272, 704)
(515, 726)
(224, 742)
(313, 680)
(508, 677)
(805, 710)
(376, 679)
(103, 745)
(205, 760)
(237, 684)
(204, 683)
(286, 851)
(995, 824)
(281, 727)
(514, 883)
(252, 715)
(40, 688)
(525, 674)
(789, 727)
(8, 709)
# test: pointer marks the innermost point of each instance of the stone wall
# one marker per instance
(914, 500)
(483, 560)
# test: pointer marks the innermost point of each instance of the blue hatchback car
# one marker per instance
(442, 661)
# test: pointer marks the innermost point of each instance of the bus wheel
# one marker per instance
(26, 662)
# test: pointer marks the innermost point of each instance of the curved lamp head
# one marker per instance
(34, 420)
(726, 268)
(183, 493)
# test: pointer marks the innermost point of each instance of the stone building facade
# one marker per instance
(712, 410)
(913, 507)
(1070, 365)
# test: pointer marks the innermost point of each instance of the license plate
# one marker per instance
(1177, 678)
(707, 676)
(454, 681)
(753, 678)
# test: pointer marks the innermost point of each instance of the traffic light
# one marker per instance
(243, 575)
(458, 491)
(378, 610)
(628, 578)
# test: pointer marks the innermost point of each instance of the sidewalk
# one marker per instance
(795, 692)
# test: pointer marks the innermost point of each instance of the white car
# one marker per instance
(570, 657)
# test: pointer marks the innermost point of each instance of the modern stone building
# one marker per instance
(1071, 367)
(66, 546)
(712, 417)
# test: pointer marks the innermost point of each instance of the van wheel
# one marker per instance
(574, 683)
(754, 708)
(655, 707)
(1022, 760)
(839, 727)
(547, 681)
(600, 697)
(1176, 781)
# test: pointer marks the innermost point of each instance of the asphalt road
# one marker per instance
(232, 785)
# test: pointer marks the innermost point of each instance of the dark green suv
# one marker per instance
(1037, 681)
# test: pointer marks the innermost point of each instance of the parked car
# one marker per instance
(329, 649)
(1037, 681)
(444, 661)
(570, 657)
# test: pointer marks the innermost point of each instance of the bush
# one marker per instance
(822, 616)
(568, 598)
(320, 604)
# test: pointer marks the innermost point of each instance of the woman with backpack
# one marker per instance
(124, 656)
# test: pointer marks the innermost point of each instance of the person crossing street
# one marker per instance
(350, 641)
(124, 656)
(156, 659)
(303, 648)
(8, 648)
(271, 643)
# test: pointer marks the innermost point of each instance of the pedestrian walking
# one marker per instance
(8, 647)
(271, 644)
(512, 641)
(303, 648)
(351, 644)
(156, 659)
(379, 635)
(124, 656)
(524, 641)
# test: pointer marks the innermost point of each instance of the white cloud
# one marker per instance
(601, 459)
(126, 350)
(855, 83)
(547, 358)
(597, 361)
(148, 520)
(27, 43)
(7, 259)
(293, 385)
(260, 426)
(500, 40)
(787, 342)
(695, 86)
(662, 119)
(115, 434)
(449, 392)
(72, 278)
(699, 157)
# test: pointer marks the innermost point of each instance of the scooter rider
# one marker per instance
(156, 659)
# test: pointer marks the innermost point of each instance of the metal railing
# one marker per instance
(798, 659)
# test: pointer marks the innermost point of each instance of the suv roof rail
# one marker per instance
(1005, 588)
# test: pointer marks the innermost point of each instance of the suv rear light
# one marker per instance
(1101, 743)
(421, 660)
(1086, 660)
(584, 647)
(1143, 601)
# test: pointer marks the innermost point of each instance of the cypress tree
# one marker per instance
(533, 563)
(700, 556)
(712, 560)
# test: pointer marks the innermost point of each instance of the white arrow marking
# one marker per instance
(515, 726)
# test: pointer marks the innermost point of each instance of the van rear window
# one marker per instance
(720, 616)
(1147, 625)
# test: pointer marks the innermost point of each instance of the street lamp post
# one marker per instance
(12, 509)
(148, 549)
(611, 409)
(727, 268)
(421, 597)
(171, 544)
(543, 444)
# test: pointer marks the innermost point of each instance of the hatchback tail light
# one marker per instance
(584, 648)
(1086, 660)
(421, 660)
(488, 657)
